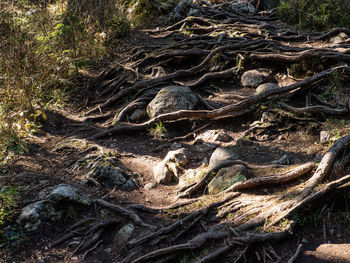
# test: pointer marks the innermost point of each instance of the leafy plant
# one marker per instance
(8, 200)
(42, 51)
(158, 130)
(315, 14)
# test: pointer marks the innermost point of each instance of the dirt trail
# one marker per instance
(209, 54)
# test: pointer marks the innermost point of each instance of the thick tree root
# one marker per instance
(205, 114)
(204, 50)
(125, 212)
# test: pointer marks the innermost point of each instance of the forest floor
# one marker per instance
(69, 134)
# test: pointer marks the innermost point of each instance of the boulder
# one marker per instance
(220, 155)
(189, 177)
(67, 193)
(125, 233)
(138, 115)
(171, 166)
(222, 137)
(108, 171)
(215, 136)
(268, 117)
(178, 156)
(244, 8)
(150, 186)
(339, 38)
(182, 10)
(325, 137)
(227, 177)
(32, 215)
(253, 78)
(204, 147)
(162, 174)
(172, 98)
(264, 87)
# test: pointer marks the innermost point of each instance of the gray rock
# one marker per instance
(181, 10)
(188, 177)
(227, 177)
(339, 38)
(195, 12)
(325, 136)
(264, 87)
(150, 186)
(162, 174)
(220, 155)
(138, 115)
(171, 167)
(205, 147)
(125, 233)
(206, 136)
(108, 171)
(107, 175)
(67, 193)
(215, 136)
(175, 146)
(222, 137)
(253, 78)
(170, 99)
(284, 160)
(192, 175)
(32, 215)
(244, 8)
(268, 116)
(130, 184)
(179, 157)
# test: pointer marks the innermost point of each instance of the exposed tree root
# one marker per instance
(314, 110)
(273, 179)
(125, 212)
(297, 253)
(269, 213)
(205, 114)
(186, 192)
(214, 48)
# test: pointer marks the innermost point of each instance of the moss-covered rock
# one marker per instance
(227, 177)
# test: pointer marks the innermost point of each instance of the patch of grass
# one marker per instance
(315, 14)
(9, 196)
(158, 130)
(337, 128)
(308, 66)
(43, 49)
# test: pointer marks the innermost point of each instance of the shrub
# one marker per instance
(315, 14)
(41, 50)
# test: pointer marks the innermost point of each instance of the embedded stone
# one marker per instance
(253, 78)
(33, 215)
(227, 177)
(170, 99)
(67, 193)
(264, 87)
(220, 155)
(162, 174)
